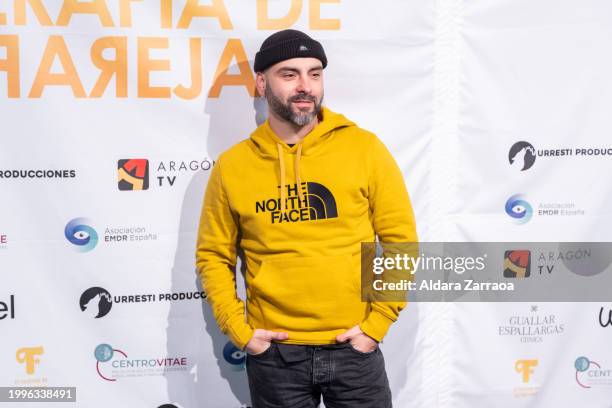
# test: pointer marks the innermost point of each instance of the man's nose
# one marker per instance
(303, 85)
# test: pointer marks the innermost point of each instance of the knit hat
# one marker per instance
(287, 44)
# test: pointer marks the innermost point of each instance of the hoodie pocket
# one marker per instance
(308, 293)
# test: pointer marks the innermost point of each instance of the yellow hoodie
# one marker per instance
(301, 214)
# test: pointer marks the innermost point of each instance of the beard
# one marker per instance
(284, 111)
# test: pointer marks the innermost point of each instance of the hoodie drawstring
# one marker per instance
(298, 179)
(281, 161)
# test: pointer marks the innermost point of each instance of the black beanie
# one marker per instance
(287, 44)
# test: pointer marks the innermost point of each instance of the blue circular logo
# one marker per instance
(519, 209)
(582, 364)
(233, 355)
(80, 234)
(103, 353)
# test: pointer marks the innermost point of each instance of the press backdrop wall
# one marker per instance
(450, 86)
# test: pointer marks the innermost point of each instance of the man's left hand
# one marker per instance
(358, 339)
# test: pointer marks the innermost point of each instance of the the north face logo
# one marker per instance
(303, 48)
(319, 203)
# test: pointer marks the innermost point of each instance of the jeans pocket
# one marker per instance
(361, 353)
(262, 354)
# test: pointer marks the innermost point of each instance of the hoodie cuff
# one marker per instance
(376, 325)
(239, 333)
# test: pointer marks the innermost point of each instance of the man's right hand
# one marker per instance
(262, 340)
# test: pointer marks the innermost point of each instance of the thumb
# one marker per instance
(341, 338)
(272, 335)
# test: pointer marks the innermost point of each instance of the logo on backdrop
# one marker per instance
(234, 356)
(3, 241)
(525, 368)
(522, 155)
(519, 209)
(532, 326)
(30, 358)
(590, 374)
(517, 264)
(81, 235)
(605, 319)
(37, 174)
(133, 174)
(97, 302)
(318, 203)
(7, 308)
(581, 258)
(85, 238)
(112, 364)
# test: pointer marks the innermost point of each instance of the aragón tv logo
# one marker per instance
(133, 174)
(80, 234)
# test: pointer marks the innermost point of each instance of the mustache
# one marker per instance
(303, 97)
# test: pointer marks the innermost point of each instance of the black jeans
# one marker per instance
(296, 376)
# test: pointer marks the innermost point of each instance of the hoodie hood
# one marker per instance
(270, 146)
(266, 140)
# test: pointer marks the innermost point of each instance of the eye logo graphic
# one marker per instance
(80, 234)
(234, 356)
(519, 209)
(517, 264)
(522, 155)
(133, 174)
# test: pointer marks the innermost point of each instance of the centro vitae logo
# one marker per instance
(134, 174)
(591, 374)
(522, 154)
(112, 364)
(97, 302)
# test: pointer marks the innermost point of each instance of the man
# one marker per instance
(302, 193)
